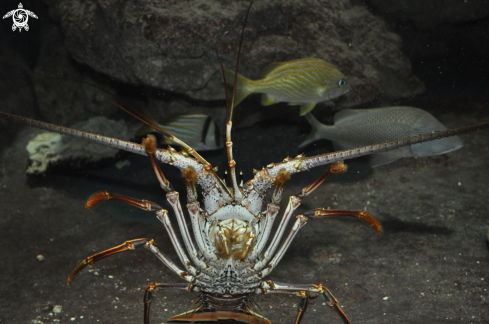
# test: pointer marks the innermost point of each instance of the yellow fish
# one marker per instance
(303, 82)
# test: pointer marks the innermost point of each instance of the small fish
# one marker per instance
(198, 130)
(303, 82)
(359, 127)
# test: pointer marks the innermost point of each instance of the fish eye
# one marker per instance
(342, 82)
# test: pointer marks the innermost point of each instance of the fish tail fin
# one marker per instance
(145, 129)
(317, 132)
(243, 88)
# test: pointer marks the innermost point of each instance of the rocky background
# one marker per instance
(160, 55)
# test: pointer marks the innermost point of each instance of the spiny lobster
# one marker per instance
(227, 259)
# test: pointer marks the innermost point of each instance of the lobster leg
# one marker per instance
(301, 221)
(199, 232)
(302, 307)
(130, 245)
(172, 197)
(322, 212)
(294, 202)
(272, 210)
(149, 147)
(174, 201)
(148, 294)
(281, 288)
(337, 167)
(127, 245)
(105, 195)
(162, 216)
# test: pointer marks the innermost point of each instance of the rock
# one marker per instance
(64, 99)
(57, 309)
(16, 89)
(169, 45)
(49, 150)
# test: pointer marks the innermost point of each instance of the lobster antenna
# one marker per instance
(322, 159)
(237, 195)
(223, 76)
(142, 118)
(237, 64)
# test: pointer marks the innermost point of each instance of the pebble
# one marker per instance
(40, 257)
(57, 309)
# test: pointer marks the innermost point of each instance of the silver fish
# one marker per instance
(197, 130)
(358, 127)
(303, 82)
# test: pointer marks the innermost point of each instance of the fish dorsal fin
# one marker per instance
(269, 68)
(345, 113)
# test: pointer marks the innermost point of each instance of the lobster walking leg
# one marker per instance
(131, 245)
(173, 198)
(162, 216)
(337, 167)
(322, 212)
(287, 288)
(127, 245)
(148, 294)
(294, 202)
(149, 147)
(302, 307)
(299, 223)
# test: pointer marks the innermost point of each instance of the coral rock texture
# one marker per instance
(169, 45)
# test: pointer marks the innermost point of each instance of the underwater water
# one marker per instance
(429, 265)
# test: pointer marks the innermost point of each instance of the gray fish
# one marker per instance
(359, 127)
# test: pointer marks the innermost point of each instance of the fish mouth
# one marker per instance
(346, 88)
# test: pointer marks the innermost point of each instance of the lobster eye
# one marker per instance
(342, 82)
